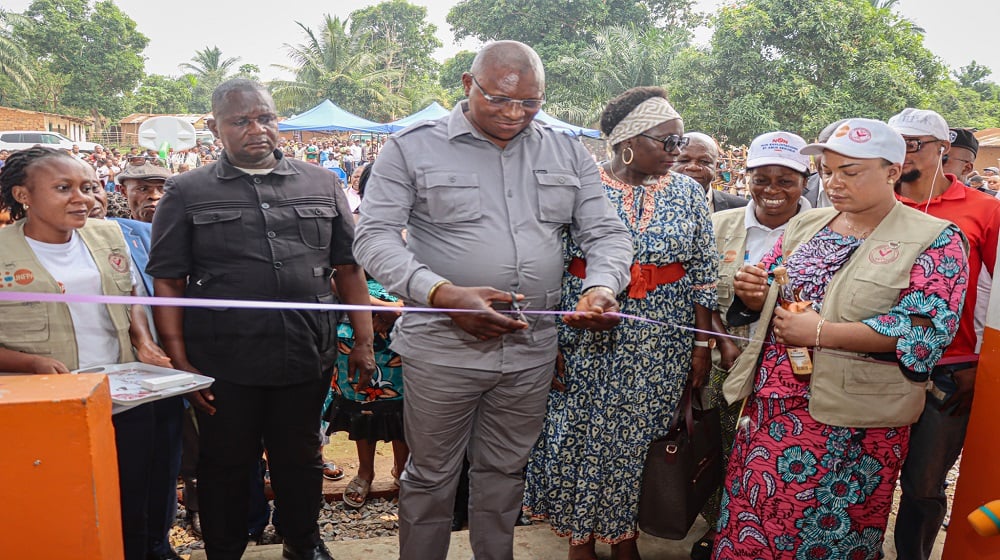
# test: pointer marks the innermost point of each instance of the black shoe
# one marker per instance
(171, 554)
(317, 552)
(195, 520)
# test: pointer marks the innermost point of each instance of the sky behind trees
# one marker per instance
(958, 32)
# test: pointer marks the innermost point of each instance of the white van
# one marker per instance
(19, 139)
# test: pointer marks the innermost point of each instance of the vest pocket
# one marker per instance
(872, 379)
(23, 322)
(315, 225)
(873, 295)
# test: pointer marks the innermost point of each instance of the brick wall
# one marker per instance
(19, 119)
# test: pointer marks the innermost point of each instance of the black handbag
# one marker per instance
(682, 471)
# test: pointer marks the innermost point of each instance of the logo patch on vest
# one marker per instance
(730, 256)
(884, 254)
(118, 261)
(24, 276)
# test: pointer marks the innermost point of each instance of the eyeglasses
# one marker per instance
(140, 160)
(501, 101)
(670, 143)
(913, 145)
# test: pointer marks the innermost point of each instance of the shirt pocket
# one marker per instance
(870, 379)
(556, 196)
(453, 197)
(24, 324)
(316, 225)
(219, 228)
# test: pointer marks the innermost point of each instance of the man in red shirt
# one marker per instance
(936, 439)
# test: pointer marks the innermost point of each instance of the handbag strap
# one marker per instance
(686, 406)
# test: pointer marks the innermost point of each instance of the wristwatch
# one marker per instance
(710, 343)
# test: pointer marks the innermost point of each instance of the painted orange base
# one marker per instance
(59, 468)
(979, 476)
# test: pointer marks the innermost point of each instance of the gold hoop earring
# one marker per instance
(25, 206)
(631, 155)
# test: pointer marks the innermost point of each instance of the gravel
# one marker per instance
(337, 522)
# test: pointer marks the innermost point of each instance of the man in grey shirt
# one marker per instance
(485, 195)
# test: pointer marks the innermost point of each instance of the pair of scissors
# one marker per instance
(517, 308)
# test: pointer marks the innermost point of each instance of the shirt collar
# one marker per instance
(956, 191)
(750, 217)
(459, 124)
(224, 170)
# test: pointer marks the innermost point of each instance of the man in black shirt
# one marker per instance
(257, 226)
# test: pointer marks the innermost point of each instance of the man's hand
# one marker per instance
(361, 365)
(750, 285)
(962, 398)
(487, 323)
(593, 310)
(202, 399)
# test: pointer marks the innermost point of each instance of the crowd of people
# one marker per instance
(829, 392)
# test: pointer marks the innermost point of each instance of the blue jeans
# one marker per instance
(935, 444)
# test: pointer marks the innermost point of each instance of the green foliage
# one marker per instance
(15, 63)
(207, 69)
(161, 94)
(451, 75)
(96, 49)
(799, 66)
(401, 30)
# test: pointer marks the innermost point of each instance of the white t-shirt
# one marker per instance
(72, 265)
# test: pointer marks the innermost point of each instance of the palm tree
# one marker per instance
(330, 65)
(208, 67)
(905, 23)
(15, 62)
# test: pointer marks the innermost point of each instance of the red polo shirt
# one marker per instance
(978, 216)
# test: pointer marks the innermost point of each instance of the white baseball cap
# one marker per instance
(778, 148)
(920, 122)
(863, 139)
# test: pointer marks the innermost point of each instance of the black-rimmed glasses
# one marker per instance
(501, 101)
(914, 145)
(670, 143)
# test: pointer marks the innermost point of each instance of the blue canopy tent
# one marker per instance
(429, 113)
(328, 117)
(548, 119)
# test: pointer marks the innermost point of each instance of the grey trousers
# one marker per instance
(496, 417)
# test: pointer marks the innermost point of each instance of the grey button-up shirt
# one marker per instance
(479, 215)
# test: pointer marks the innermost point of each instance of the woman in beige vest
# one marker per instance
(817, 452)
(777, 175)
(53, 247)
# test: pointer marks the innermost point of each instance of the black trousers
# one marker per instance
(286, 419)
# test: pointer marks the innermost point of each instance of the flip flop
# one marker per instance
(358, 486)
(332, 472)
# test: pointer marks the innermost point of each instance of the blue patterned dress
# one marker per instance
(623, 385)
(798, 489)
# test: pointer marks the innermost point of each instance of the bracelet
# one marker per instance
(819, 329)
(592, 288)
(433, 290)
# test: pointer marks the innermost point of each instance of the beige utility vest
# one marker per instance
(731, 241)
(846, 392)
(46, 328)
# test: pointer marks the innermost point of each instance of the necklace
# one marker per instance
(611, 170)
(646, 182)
(858, 233)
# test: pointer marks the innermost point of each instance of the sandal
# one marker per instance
(332, 472)
(395, 477)
(360, 487)
(702, 550)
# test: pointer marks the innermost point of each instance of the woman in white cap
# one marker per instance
(816, 455)
(622, 385)
(777, 175)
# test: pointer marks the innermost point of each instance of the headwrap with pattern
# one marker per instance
(645, 116)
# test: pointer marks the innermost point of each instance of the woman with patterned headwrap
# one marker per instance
(617, 390)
